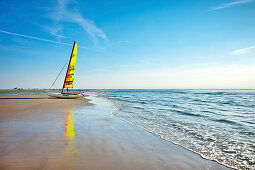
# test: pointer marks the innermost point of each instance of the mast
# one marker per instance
(68, 67)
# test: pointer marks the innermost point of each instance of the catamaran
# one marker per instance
(69, 78)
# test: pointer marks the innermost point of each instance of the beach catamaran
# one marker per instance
(68, 82)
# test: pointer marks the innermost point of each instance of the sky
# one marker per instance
(129, 44)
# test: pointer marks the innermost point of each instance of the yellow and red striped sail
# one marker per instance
(71, 68)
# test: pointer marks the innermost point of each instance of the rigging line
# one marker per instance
(42, 39)
(58, 76)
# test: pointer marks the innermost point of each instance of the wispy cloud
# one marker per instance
(56, 31)
(46, 40)
(230, 4)
(242, 51)
(65, 12)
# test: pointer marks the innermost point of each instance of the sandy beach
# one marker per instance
(38, 132)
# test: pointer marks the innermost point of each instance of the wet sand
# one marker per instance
(37, 132)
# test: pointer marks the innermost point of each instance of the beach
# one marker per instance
(38, 132)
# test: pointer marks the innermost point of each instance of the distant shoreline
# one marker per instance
(3, 91)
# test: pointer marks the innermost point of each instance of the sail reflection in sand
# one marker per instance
(69, 129)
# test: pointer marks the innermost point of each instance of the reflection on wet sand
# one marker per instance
(69, 129)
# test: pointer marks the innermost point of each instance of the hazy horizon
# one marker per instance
(126, 44)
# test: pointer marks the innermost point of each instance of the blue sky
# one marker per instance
(129, 44)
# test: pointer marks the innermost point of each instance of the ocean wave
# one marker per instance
(225, 121)
(247, 133)
(227, 93)
(186, 113)
(219, 127)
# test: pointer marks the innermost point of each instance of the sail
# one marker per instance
(71, 68)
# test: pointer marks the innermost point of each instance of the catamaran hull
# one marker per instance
(64, 95)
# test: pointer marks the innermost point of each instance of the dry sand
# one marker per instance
(37, 132)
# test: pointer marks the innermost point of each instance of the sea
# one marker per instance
(217, 124)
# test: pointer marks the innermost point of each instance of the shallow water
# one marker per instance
(217, 124)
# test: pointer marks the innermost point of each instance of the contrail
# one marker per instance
(242, 51)
(42, 39)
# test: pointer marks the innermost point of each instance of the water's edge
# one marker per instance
(226, 165)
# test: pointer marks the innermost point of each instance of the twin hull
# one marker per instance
(64, 95)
